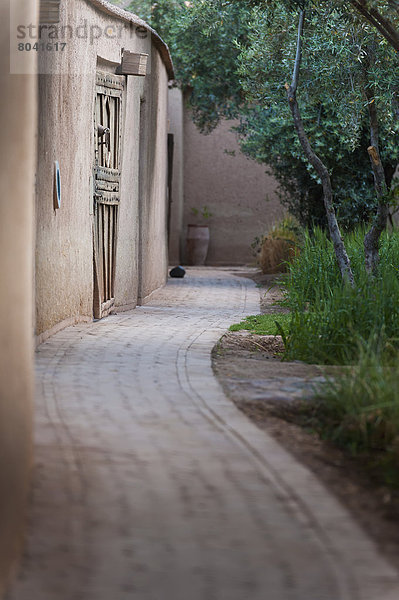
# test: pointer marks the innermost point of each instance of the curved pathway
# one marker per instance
(150, 485)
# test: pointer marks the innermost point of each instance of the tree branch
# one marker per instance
(298, 57)
(318, 165)
(371, 240)
(376, 19)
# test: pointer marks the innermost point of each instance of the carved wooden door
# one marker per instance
(106, 178)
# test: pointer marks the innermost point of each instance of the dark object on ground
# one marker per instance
(177, 272)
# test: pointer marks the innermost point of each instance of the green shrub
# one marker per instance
(276, 249)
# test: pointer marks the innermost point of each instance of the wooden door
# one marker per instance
(106, 177)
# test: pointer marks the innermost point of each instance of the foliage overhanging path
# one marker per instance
(233, 59)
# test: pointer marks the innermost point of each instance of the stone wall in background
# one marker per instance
(240, 195)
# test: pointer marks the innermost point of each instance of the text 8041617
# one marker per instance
(42, 46)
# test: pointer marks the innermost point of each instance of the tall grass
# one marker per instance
(359, 410)
(328, 316)
(332, 323)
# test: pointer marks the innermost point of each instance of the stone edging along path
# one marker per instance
(151, 485)
(274, 395)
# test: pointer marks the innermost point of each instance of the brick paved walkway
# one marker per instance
(150, 485)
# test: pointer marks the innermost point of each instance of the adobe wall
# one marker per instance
(240, 195)
(18, 130)
(153, 179)
(64, 254)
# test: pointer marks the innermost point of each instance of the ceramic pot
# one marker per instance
(197, 244)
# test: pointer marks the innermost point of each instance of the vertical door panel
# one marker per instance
(107, 131)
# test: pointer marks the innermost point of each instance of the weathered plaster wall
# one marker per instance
(128, 235)
(176, 116)
(153, 178)
(18, 130)
(64, 270)
(234, 189)
(64, 255)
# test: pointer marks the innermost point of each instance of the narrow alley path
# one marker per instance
(150, 485)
